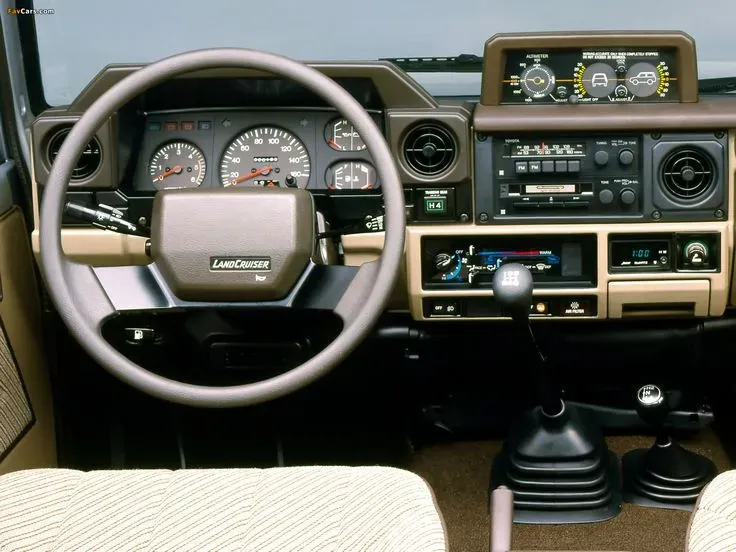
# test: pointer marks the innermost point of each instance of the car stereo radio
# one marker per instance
(525, 178)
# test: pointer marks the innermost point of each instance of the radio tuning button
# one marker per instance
(628, 197)
(601, 158)
(605, 197)
(626, 157)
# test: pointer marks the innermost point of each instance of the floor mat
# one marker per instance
(459, 474)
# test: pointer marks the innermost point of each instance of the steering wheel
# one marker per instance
(265, 260)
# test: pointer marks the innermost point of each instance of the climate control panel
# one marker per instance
(467, 262)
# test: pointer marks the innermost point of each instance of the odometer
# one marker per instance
(265, 156)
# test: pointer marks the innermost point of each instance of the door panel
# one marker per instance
(27, 432)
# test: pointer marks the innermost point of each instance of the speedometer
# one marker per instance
(265, 156)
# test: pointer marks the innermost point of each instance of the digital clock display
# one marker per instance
(638, 254)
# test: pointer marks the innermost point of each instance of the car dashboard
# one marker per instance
(589, 157)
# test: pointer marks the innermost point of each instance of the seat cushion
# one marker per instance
(326, 509)
(713, 522)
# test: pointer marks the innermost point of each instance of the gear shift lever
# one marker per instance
(652, 407)
(513, 286)
(665, 475)
(555, 461)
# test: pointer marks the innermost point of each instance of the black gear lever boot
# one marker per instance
(665, 475)
(555, 461)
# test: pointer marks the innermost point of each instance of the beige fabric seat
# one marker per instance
(309, 509)
(713, 522)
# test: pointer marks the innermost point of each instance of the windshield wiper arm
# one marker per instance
(716, 86)
(462, 63)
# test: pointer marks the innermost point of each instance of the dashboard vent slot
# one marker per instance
(89, 161)
(688, 173)
(429, 149)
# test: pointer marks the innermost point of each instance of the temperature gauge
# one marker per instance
(353, 175)
(341, 135)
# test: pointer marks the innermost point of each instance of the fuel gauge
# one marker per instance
(353, 175)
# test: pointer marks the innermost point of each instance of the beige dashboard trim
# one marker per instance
(719, 282)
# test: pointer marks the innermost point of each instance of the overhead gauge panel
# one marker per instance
(590, 75)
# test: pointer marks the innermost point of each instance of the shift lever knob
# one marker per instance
(513, 285)
(651, 405)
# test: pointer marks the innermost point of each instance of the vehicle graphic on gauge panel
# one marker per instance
(341, 135)
(352, 175)
(643, 79)
(537, 80)
(265, 156)
(597, 80)
(177, 164)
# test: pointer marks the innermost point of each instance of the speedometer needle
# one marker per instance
(260, 172)
(175, 170)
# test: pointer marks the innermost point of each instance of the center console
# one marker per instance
(612, 219)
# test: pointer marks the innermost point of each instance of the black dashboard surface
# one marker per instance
(307, 148)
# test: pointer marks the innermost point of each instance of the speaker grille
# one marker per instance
(688, 173)
(429, 149)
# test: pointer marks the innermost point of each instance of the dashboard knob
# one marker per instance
(626, 157)
(621, 91)
(605, 197)
(601, 158)
(443, 262)
(696, 253)
(628, 197)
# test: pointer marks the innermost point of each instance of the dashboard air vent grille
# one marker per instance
(429, 149)
(688, 173)
(89, 161)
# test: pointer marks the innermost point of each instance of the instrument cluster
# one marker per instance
(316, 150)
(612, 75)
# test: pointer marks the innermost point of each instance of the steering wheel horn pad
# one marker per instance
(86, 297)
(232, 244)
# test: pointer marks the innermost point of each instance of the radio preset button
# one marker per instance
(605, 197)
(601, 158)
(548, 166)
(573, 166)
(627, 197)
(521, 167)
(535, 166)
(626, 157)
(561, 166)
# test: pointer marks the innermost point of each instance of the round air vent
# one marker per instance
(89, 161)
(429, 149)
(688, 173)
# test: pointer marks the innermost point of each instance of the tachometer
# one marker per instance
(265, 156)
(177, 165)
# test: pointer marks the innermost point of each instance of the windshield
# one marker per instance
(80, 37)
